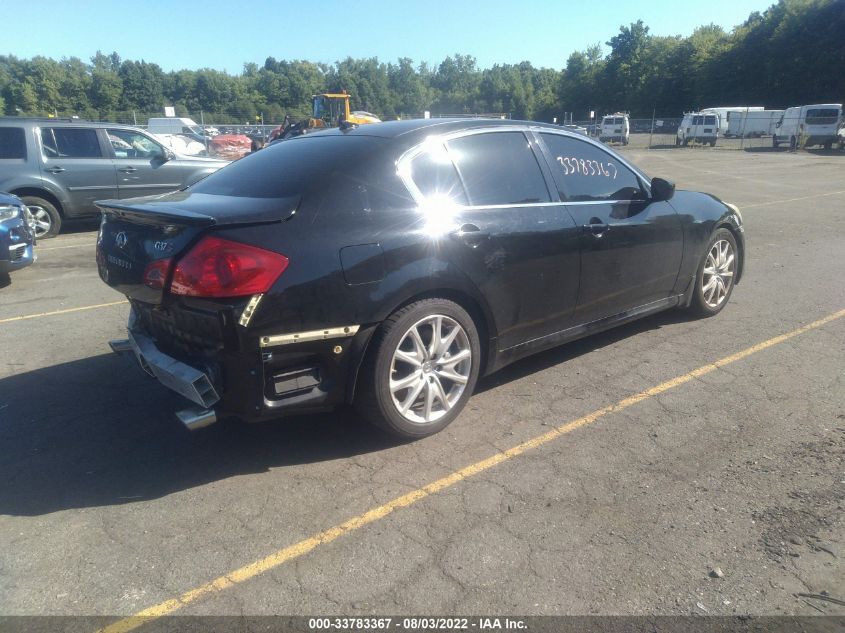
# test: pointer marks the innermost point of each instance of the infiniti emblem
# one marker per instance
(120, 239)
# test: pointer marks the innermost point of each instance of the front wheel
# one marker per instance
(48, 221)
(714, 282)
(421, 369)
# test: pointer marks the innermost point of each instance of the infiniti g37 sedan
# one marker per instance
(391, 265)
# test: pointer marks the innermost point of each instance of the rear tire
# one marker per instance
(411, 385)
(714, 281)
(48, 221)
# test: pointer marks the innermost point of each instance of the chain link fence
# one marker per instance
(734, 130)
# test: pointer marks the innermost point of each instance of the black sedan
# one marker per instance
(391, 265)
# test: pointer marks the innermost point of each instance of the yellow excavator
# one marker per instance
(327, 110)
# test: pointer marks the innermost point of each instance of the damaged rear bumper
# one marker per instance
(262, 376)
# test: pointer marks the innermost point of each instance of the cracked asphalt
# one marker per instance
(107, 506)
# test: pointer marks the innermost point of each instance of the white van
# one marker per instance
(176, 125)
(615, 127)
(698, 127)
(808, 125)
(754, 123)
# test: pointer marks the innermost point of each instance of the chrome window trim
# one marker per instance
(404, 161)
(532, 133)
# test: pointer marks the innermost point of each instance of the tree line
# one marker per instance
(792, 53)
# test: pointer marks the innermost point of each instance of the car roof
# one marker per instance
(411, 131)
(44, 122)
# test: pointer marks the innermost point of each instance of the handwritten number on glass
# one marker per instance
(587, 167)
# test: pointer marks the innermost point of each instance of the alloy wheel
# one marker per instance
(42, 221)
(430, 369)
(718, 273)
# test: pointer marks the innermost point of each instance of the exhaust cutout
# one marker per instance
(120, 346)
(196, 417)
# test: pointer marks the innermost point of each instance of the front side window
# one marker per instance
(584, 172)
(12, 142)
(128, 144)
(499, 168)
(67, 142)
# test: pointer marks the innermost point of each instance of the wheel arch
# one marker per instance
(479, 312)
(21, 192)
(739, 238)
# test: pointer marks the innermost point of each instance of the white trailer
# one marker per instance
(722, 111)
(754, 123)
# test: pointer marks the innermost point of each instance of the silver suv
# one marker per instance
(60, 167)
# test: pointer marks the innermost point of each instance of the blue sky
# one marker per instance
(224, 35)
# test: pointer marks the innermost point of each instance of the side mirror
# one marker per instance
(662, 189)
(168, 155)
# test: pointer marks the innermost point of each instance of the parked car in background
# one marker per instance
(699, 128)
(17, 238)
(396, 263)
(808, 125)
(575, 128)
(615, 128)
(177, 125)
(60, 167)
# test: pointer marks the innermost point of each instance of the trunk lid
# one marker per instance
(137, 234)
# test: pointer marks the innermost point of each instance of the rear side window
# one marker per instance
(70, 143)
(499, 168)
(291, 167)
(435, 176)
(12, 142)
(819, 116)
(584, 172)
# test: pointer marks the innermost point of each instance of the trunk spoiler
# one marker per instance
(201, 210)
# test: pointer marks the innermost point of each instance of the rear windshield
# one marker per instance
(12, 143)
(819, 116)
(709, 120)
(289, 168)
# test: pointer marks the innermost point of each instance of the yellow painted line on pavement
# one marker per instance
(39, 249)
(67, 311)
(303, 547)
(766, 204)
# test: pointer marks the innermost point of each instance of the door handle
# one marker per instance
(470, 235)
(128, 170)
(597, 227)
(56, 169)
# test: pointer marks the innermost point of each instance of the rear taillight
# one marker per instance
(221, 268)
(155, 274)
